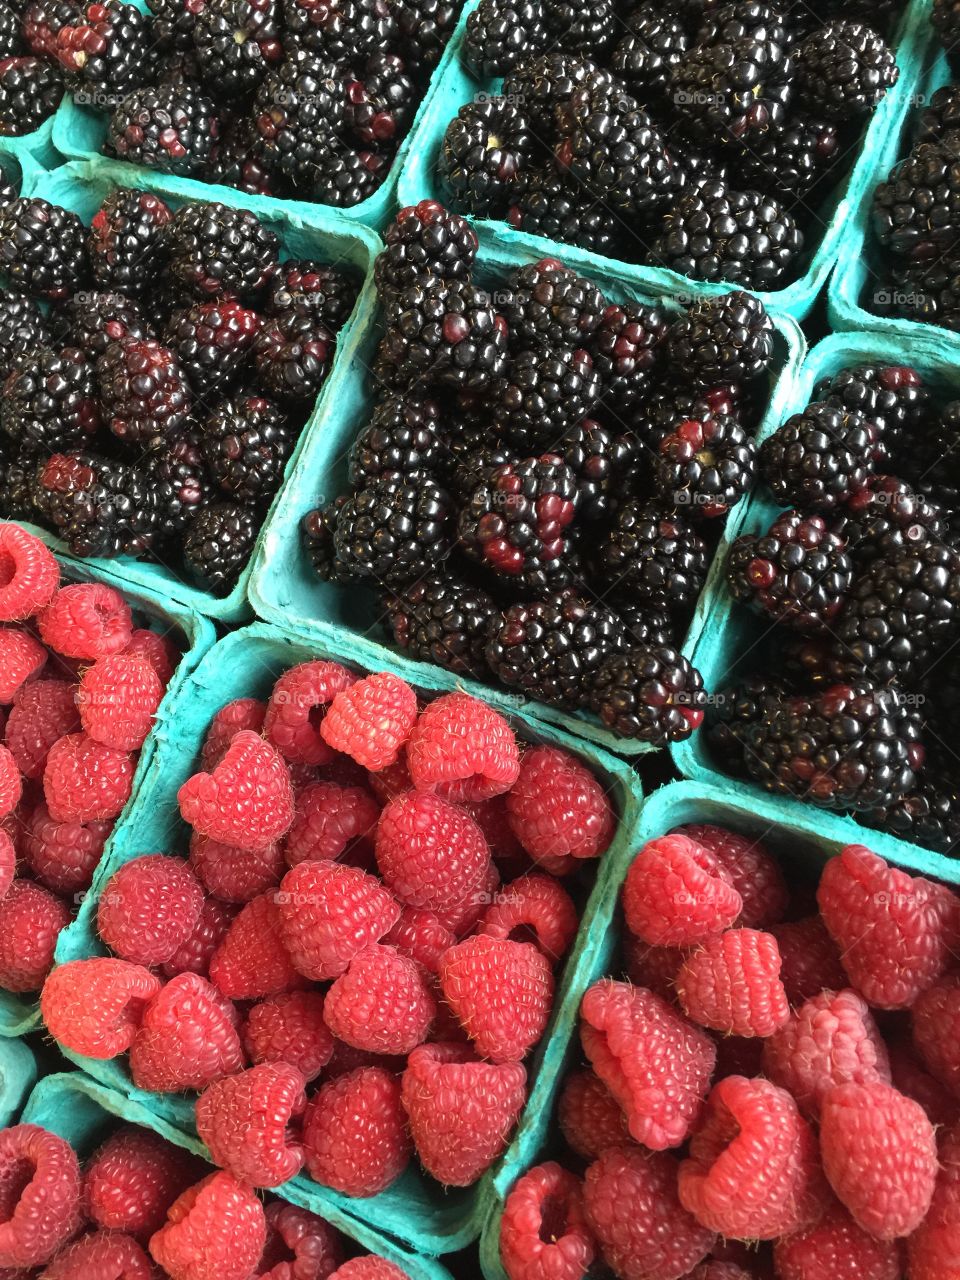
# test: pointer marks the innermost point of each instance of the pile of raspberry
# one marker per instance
(771, 1090)
(140, 1208)
(358, 955)
(80, 683)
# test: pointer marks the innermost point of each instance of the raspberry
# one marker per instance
(149, 909)
(43, 712)
(160, 651)
(29, 574)
(252, 961)
(421, 936)
(644, 1232)
(589, 1116)
(133, 1179)
(465, 917)
(245, 800)
(369, 1267)
(300, 1246)
(543, 1231)
(493, 820)
(675, 894)
(11, 785)
(537, 909)
(22, 658)
(461, 1111)
(297, 706)
(656, 1065)
(243, 713)
(936, 1019)
(103, 1253)
(86, 620)
(214, 1231)
(328, 913)
(371, 720)
(244, 1121)
(653, 967)
(463, 750)
(748, 867)
(330, 821)
(714, 1270)
(84, 781)
(910, 1078)
(118, 698)
(810, 959)
(430, 852)
(732, 984)
(31, 919)
(387, 784)
(354, 1133)
(832, 1039)
(196, 953)
(880, 1154)
(934, 1248)
(8, 862)
(381, 1003)
(187, 1038)
(93, 1007)
(836, 1246)
(891, 927)
(752, 1171)
(558, 808)
(290, 1028)
(501, 993)
(235, 875)
(63, 855)
(39, 1195)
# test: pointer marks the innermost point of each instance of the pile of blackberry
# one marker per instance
(544, 475)
(850, 702)
(700, 137)
(35, 60)
(148, 407)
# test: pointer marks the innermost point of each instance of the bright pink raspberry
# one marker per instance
(430, 852)
(297, 707)
(936, 1025)
(245, 1121)
(29, 573)
(102, 1253)
(31, 919)
(832, 1039)
(290, 1028)
(835, 1247)
(214, 1231)
(11, 784)
(675, 894)
(933, 1250)
(589, 1116)
(43, 712)
(22, 658)
(354, 1133)
(810, 959)
(656, 1064)
(386, 784)
(63, 855)
(160, 651)
(543, 1232)
(643, 1231)
(749, 868)
(492, 818)
(465, 917)
(237, 716)
(84, 781)
(149, 908)
(713, 1269)
(187, 1038)
(891, 928)
(328, 913)
(908, 1074)
(752, 1172)
(131, 1181)
(501, 993)
(558, 808)
(300, 1245)
(235, 875)
(371, 720)
(39, 1195)
(195, 955)
(330, 821)
(463, 750)
(252, 960)
(534, 908)
(732, 984)
(118, 698)
(93, 1007)
(421, 936)
(86, 620)
(8, 862)
(461, 1111)
(381, 1003)
(369, 1267)
(246, 800)
(653, 967)
(880, 1153)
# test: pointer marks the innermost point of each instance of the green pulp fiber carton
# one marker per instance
(85, 1113)
(457, 86)
(284, 587)
(311, 234)
(194, 634)
(32, 153)
(724, 645)
(18, 1074)
(415, 1210)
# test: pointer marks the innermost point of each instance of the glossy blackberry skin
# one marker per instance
(42, 22)
(401, 437)
(347, 33)
(791, 160)
(941, 115)
(628, 351)
(171, 128)
(317, 531)
(706, 466)
(544, 394)
(652, 556)
(98, 506)
(588, 27)
(819, 457)
(733, 89)
(425, 28)
(42, 248)
(381, 101)
(916, 212)
(395, 531)
(217, 545)
(745, 20)
(886, 517)
(662, 412)
(298, 110)
(604, 464)
(106, 50)
(425, 240)
(546, 203)
(645, 624)
(725, 339)
(235, 158)
(49, 402)
(892, 397)
(447, 335)
(342, 177)
(929, 815)
(30, 92)
(174, 22)
(11, 36)
(730, 714)
(542, 84)
(216, 250)
(654, 43)
(502, 34)
(22, 326)
(547, 305)
(213, 342)
(443, 620)
(246, 442)
(650, 693)
(293, 354)
(328, 293)
(126, 249)
(844, 70)
(181, 484)
(92, 320)
(144, 391)
(485, 147)
(236, 42)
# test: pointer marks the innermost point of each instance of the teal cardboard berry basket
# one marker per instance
(457, 86)
(18, 1074)
(415, 1210)
(726, 640)
(284, 588)
(322, 236)
(85, 1113)
(194, 634)
(31, 155)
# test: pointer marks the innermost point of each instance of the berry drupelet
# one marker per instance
(401, 436)
(725, 339)
(126, 249)
(819, 457)
(548, 305)
(502, 34)
(171, 128)
(543, 393)
(652, 556)
(246, 442)
(651, 693)
(484, 148)
(216, 250)
(328, 293)
(444, 620)
(706, 465)
(217, 545)
(105, 49)
(394, 531)
(236, 43)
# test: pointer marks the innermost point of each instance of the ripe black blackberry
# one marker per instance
(654, 44)
(30, 92)
(342, 177)
(98, 506)
(627, 349)
(11, 34)
(446, 335)
(298, 109)
(174, 22)
(930, 814)
(317, 531)
(171, 128)
(444, 620)
(217, 545)
(547, 305)
(144, 391)
(22, 326)
(246, 442)
(92, 320)
(886, 517)
(543, 394)
(9, 185)
(651, 693)
(401, 437)
(293, 354)
(235, 158)
(928, 292)
(49, 402)
(395, 531)
(844, 70)
(545, 83)
(501, 34)
(486, 145)
(652, 556)
(931, 461)
(730, 713)
(178, 66)
(126, 249)
(469, 465)
(181, 484)
(106, 49)
(946, 22)
(546, 203)
(17, 483)
(916, 212)
(604, 464)
(706, 465)
(42, 248)
(645, 624)
(819, 457)
(582, 26)
(892, 397)
(734, 90)
(754, 20)
(347, 32)
(662, 412)
(236, 42)
(723, 339)
(425, 28)
(381, 101)
(424, 240)
(792, 159)
(213, 342)
(328, 293)
(941, 115)
(216, 251)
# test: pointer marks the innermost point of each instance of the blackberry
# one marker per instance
(174, 22)
(941, 116)
(98, 506)
(819, 457)
(424, 240)
(106, 49)
(9, 185)
(652, 556)
(627, 351)
(501, 34)
(545, 393)
(844, 70)
(380, 103)
(217, 545)
(327, 293)
(30, 92)
(171, 128)
(916, 212)
(932, 459)
(298, 109)
(246, 442)
(886, 517)
(892, 397)
(547, 305)
(443, 620)
(651, 693)
(236, 42)
(798, 572)
(126, 249)
(181, 483)
(317, 530)
(732, 711)
(235, 158)
(178, 66)
(143, 389)
(22, 327)
(11, 35)
(646, 625)
(348, 32)
(293, 354)
(792, 159)
(17, 484)
(946, 22)
(447, 335)
(92, 320)
(586, 27)
(395, 531)
(425, 28)
(49, 402)
(716, 233)
(546, 203)
(43, 20)
(42, 248)
(212, 342)
(216, 250)
(706, 465)
(342, 177)
(470, 465)
(543, 84)
(485, 147)
(723, 339)
(733, 89)
(654, 44)
(663, 411)
(603, 464)
(928, 292)
(401, 437)
(930, 814)
(852, 747)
